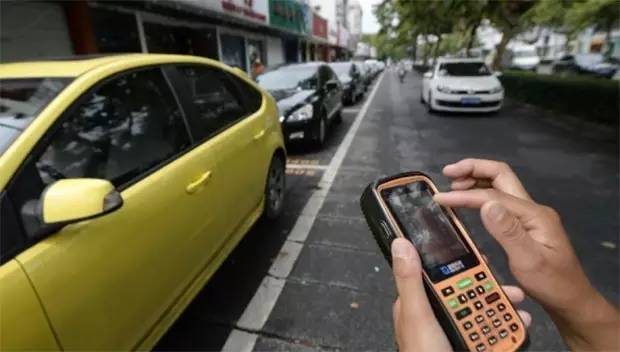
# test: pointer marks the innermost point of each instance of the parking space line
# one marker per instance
(306, 166)
(259, 309)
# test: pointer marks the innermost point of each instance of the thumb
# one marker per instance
(508, 231)
(409, 281)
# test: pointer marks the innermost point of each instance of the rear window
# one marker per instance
(464, 69)
(21, 100)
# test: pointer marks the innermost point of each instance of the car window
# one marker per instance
(120, 130)
(213, 98)
(324, 75)
(252, 98)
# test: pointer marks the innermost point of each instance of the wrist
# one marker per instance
(590, 324)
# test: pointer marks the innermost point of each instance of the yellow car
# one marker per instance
(125, 181)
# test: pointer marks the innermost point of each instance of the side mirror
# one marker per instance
(498, 73)
(331, 85)
(75, 199)
(428, 75)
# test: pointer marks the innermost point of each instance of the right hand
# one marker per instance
(540, 254)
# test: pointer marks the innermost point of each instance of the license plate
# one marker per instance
(470, 100)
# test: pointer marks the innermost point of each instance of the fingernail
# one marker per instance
(401, 248)
(496, 211)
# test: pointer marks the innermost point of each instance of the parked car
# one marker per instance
(586, 64)
(365, 73)
(351, 79)
(521, 57)
(309, 98)
(125, 181)
(461, 85)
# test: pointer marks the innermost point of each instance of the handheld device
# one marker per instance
(470, 305)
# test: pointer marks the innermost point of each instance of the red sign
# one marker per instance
(319, 26)
(246, 10)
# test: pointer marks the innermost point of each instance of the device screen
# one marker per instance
(431, 231)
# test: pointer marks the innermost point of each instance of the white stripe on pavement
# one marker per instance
(258, 310)
(307, 166)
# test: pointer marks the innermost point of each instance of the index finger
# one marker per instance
(498, 173)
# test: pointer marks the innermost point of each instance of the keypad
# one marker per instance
(481, 347)
(507, 317)
(447, 291)
(486, 330)
(497, 323)
(463, 313)
(478, 305)
(467, 325)
(453, 303)
(503, 333)
(479, 319)
(464, 283)
(501, 307)
(474, 336)
(471, 294)
(488, 286)
(462, 298)
(514, 327)
(480, 289)
(492, 340)
(492, 297)
(490, 313)
(481, 276)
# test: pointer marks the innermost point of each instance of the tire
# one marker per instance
(274, 188)
(422, 98)
(338, 117)
(321, 132)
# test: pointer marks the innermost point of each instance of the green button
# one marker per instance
(453, 303)
(466, 282)
(488, 286)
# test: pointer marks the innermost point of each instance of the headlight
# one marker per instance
(443, 89)
(497, 89)
(303, 113)
(281, 118)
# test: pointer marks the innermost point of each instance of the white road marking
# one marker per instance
(306, 166)
(258, 310)
(350, 110)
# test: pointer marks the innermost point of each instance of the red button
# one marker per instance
(492, 297)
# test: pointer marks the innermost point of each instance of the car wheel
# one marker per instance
(321, 132)
(274, 190)
(422, 98)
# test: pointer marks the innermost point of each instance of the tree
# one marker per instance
(603, 15)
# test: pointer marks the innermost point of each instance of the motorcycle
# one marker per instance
(401, 75)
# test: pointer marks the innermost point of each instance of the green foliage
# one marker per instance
(589, 98)
(602, 14)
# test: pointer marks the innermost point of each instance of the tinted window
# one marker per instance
(213, 99)
(21, 100)
(122, 129)
(253, 99)
(464, 69)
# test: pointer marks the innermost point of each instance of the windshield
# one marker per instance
(341, 69)
(464, 69)
(289, 78)
(21, 100)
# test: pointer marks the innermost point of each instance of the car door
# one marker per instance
(106, 282)
(332, 95)
(216, 110)
(426, 82)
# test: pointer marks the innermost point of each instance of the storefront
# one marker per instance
(319, 38)
(290, 16)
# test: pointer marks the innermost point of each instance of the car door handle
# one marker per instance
(194, 186)
(259, 135)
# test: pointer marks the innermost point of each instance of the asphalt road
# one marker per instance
(339, 292)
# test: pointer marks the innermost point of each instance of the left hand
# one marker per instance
(415, 324)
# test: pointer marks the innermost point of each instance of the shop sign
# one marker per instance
(251, 10)
(319, 26)
(289, 14)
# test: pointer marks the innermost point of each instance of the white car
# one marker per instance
(461, 85)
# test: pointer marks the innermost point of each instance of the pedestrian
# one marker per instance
(540, 256)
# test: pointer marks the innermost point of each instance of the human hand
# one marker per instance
(415, 324)
(539, 252)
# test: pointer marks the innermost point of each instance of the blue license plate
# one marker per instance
(470, 100)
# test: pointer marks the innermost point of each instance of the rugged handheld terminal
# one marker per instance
(469, 303)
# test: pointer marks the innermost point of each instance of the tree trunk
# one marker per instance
(472, 38)
(436, 53)
(426, 51)
(501, 47)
